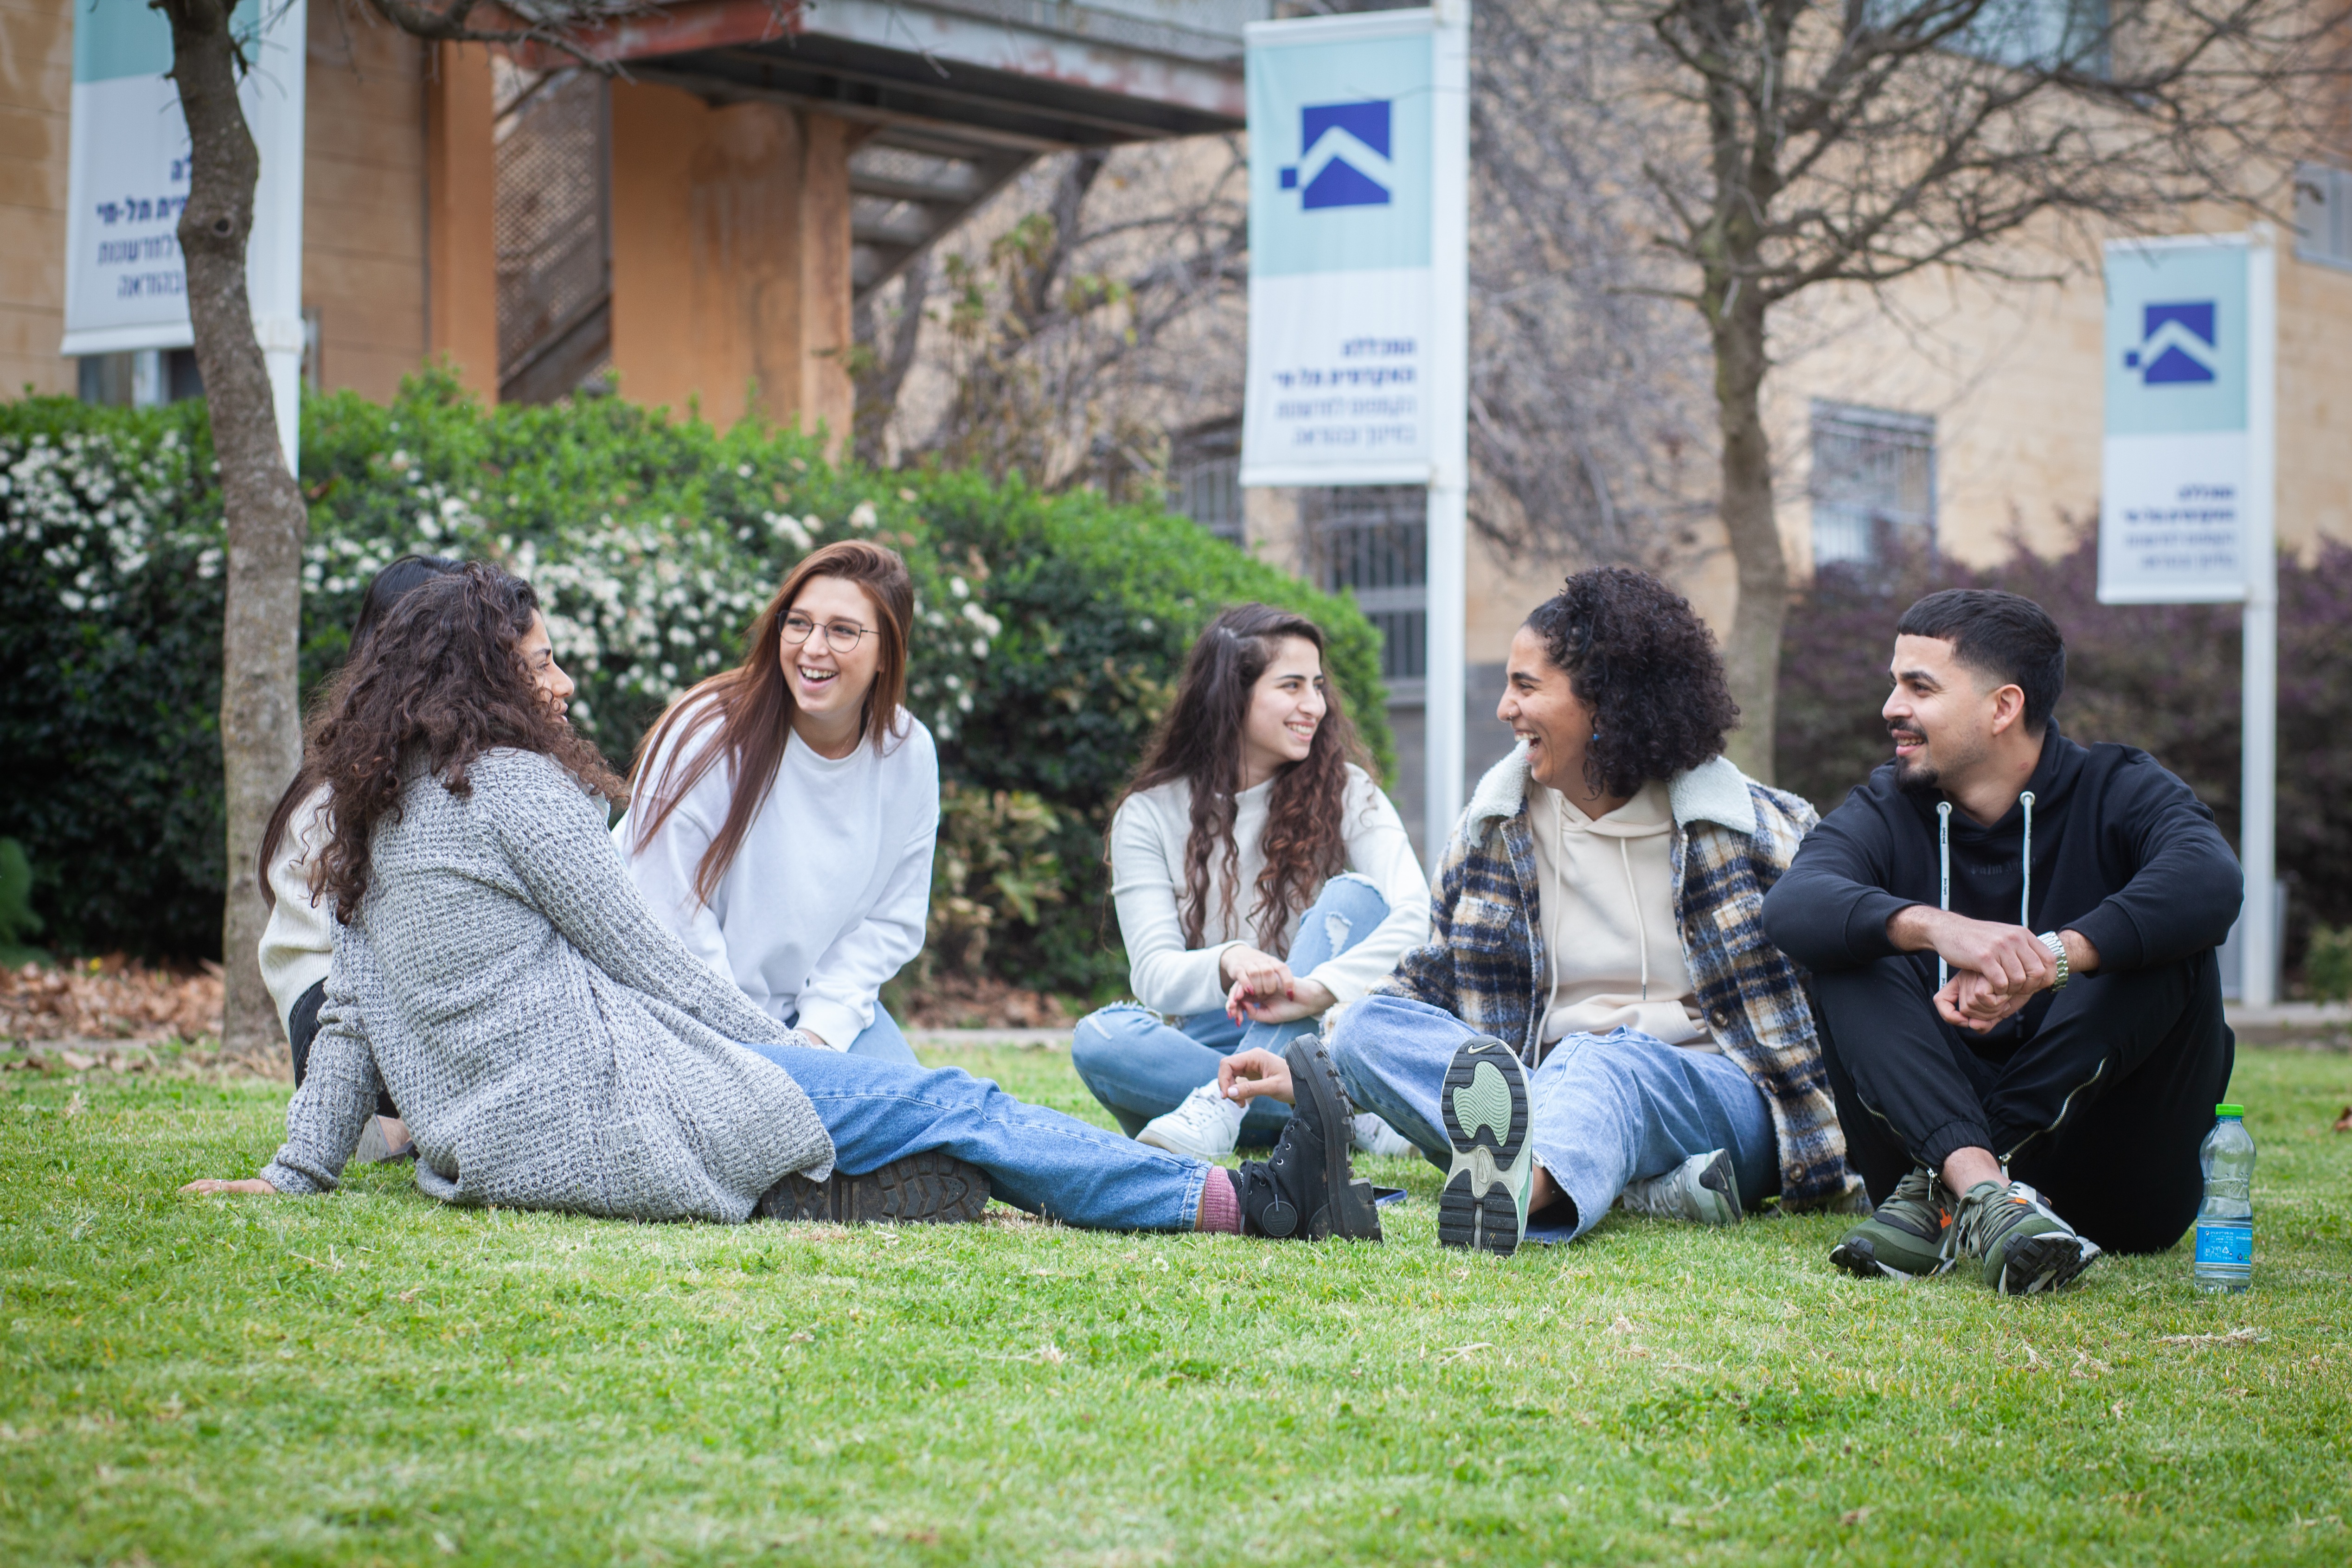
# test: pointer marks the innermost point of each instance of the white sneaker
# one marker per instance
(375, 1147)
(1203, 1126)
(1374, 1137)
(1701, 1189)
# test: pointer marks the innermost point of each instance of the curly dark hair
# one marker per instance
(1640, 657)
(1200, 741)
(441, 680)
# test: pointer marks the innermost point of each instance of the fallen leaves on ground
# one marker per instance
(110, 999)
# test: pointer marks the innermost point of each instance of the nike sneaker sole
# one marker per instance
(1317, 1094)
(929, 1188)
(1484, 1104)
(2037, 1265)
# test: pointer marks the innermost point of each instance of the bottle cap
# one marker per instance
(2228, 1110)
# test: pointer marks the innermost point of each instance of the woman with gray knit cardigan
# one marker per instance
(555, 1047)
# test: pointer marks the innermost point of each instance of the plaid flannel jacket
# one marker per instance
(1734, 838)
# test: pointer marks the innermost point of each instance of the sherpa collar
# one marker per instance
(1714, 792)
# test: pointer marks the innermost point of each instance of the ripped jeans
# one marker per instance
(1140, 1067)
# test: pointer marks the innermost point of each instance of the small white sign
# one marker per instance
(2178, 496)
(127, 181)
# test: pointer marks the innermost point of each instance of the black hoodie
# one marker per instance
(2122, 854)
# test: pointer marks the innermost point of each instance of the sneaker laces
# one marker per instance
(1985, 1222)
(1922, 1205)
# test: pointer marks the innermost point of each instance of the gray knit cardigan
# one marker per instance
(549, 1042)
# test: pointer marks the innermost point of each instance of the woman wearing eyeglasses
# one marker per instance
(782, 813)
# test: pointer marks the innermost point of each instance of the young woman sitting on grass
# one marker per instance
(300, 938)
(555, 1047)
(785, 810)
(1261, 878)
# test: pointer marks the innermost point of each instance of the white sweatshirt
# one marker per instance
(1147, 861)
(1606, 888)
(299, 940)
(829, 891)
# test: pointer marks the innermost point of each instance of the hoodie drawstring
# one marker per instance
(1944, 871)
(1640, 922)
(1944, 862)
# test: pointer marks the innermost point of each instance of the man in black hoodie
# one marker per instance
(2011, 939)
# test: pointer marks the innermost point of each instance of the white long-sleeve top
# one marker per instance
(1146, 865)
(299, 940)
(829, 893)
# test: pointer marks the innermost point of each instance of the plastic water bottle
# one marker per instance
(2225, 1220)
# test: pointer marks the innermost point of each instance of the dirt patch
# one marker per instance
(980, 1001)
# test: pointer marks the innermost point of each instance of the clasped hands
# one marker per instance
(1996, 969)
(1260, 989)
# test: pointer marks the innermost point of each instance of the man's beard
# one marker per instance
(1916, 777)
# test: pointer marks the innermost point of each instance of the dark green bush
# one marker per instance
(1049, 628)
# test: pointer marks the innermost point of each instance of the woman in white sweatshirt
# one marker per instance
(784, 813)
(1261, 879)
(298, 941)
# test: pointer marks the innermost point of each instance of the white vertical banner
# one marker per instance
(1358, 292)
(127, 180)
(2188, 492)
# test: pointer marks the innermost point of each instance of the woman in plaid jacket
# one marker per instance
(1598, 1011)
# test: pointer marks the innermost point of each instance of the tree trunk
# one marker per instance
(1753, 653)
(260, 724)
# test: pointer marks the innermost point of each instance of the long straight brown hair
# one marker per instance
(1200, 741)
(746, 712)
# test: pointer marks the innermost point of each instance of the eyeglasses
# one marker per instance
(841, 636)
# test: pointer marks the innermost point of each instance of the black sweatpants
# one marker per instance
(303, 1028)
(2098, 1095)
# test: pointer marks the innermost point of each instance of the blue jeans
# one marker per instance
(882, 1039)
(1140, 1067)
(1608, 1108)
(1037, 1159)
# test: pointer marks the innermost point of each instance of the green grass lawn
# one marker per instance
(369, 1377)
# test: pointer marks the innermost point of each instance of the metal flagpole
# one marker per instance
(2258, 790)
(1449, 394)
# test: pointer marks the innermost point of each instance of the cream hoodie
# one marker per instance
(1606, 888)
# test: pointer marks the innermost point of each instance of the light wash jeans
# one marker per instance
(1140, 1067)
(883, 1040)
(1608, 1108)
(1037, 1159)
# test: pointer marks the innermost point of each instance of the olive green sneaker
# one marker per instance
(1907, 1235)
(2023, 1245)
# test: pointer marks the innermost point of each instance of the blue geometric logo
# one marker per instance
(2176, 344)
(1344, 155)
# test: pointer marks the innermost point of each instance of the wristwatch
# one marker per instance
(2057, 946)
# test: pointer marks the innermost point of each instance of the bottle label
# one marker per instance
(2231, 1246)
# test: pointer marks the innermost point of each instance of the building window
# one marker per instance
(1204, 480)
(1372, 540)
(1873, 482)
(2041, 35)
(2323, 214)
(142, 378)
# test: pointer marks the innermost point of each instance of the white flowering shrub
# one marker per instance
(1048, 629)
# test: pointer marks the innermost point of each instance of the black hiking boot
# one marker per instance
(929, 1188)
(1307, 1190)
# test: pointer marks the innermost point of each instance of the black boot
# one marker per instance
(928, 1188)
(1307, 1190)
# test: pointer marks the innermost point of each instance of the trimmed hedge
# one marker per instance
(1050, 628)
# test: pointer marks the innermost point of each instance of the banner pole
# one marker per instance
(1444, 687)
(2258, 789)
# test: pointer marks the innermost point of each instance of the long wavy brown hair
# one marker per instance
(1200, 741)
(748, 710)
(441, 680)
(384, 590)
